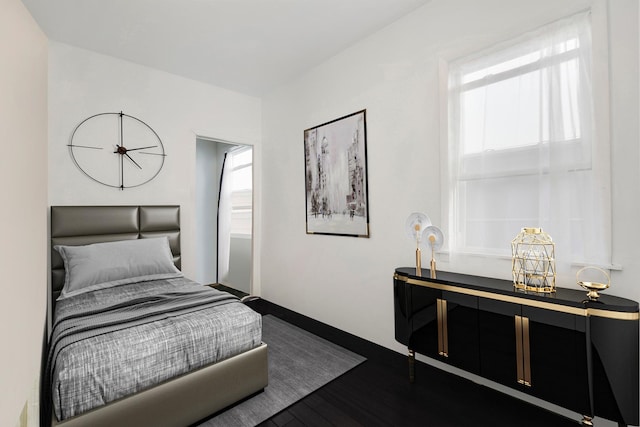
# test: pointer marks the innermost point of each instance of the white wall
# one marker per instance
(207, 186)
(347, 282)
(23, 173)
(82, 83)
(625, 152)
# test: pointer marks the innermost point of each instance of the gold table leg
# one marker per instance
(412, 362)
(587, 420)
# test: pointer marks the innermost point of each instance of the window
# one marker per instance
(241, 191)
(521, 147)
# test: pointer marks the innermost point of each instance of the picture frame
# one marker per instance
(336, 184)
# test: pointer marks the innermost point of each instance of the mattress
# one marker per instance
(114, 342)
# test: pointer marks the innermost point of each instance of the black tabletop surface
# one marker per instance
(570, 297)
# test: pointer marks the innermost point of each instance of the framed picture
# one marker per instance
(336, 177)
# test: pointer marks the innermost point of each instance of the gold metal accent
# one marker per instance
(445, 330)
(523, 351)
(526, 350)
(533, 264)
(417, 228)
(439, 317)
(528, 288)
(443, 333)
(519, 358)
(618, 315)
(432, 265)
(593, 287)
(587, 420)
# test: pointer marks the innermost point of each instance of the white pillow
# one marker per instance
(103, 265)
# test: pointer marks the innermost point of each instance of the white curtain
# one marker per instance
(522, 151)
(224, 219)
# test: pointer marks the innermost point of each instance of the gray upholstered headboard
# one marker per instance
(83, 225)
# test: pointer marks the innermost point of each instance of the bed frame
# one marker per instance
(183, 400)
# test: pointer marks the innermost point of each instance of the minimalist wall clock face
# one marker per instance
(117, 150)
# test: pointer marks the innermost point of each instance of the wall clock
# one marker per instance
(117, 150)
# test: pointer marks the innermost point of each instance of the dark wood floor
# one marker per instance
(378, 393)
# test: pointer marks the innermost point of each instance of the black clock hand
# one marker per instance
(134, 162)
(154, 154)
(141, 148)
(84, 146)
(121, 130)
(121, 173)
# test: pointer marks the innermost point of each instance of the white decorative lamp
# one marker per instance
(434, 239)
(415, 225)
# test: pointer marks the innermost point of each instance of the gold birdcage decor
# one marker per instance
(533, 261)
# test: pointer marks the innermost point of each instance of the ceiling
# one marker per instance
(249, 46)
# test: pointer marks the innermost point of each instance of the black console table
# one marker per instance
(560, 347)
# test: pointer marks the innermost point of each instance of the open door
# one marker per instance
(224, 214)
(235, 216)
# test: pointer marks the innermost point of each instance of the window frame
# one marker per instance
(242, 230)
(498, 264)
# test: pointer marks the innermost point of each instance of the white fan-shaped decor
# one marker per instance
(415, 225)
(433, 239)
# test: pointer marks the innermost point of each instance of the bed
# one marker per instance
(157, 305)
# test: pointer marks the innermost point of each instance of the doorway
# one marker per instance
(224, 214)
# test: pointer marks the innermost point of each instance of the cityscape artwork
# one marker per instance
(336, 177)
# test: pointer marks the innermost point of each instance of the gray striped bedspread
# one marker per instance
(114, 342)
